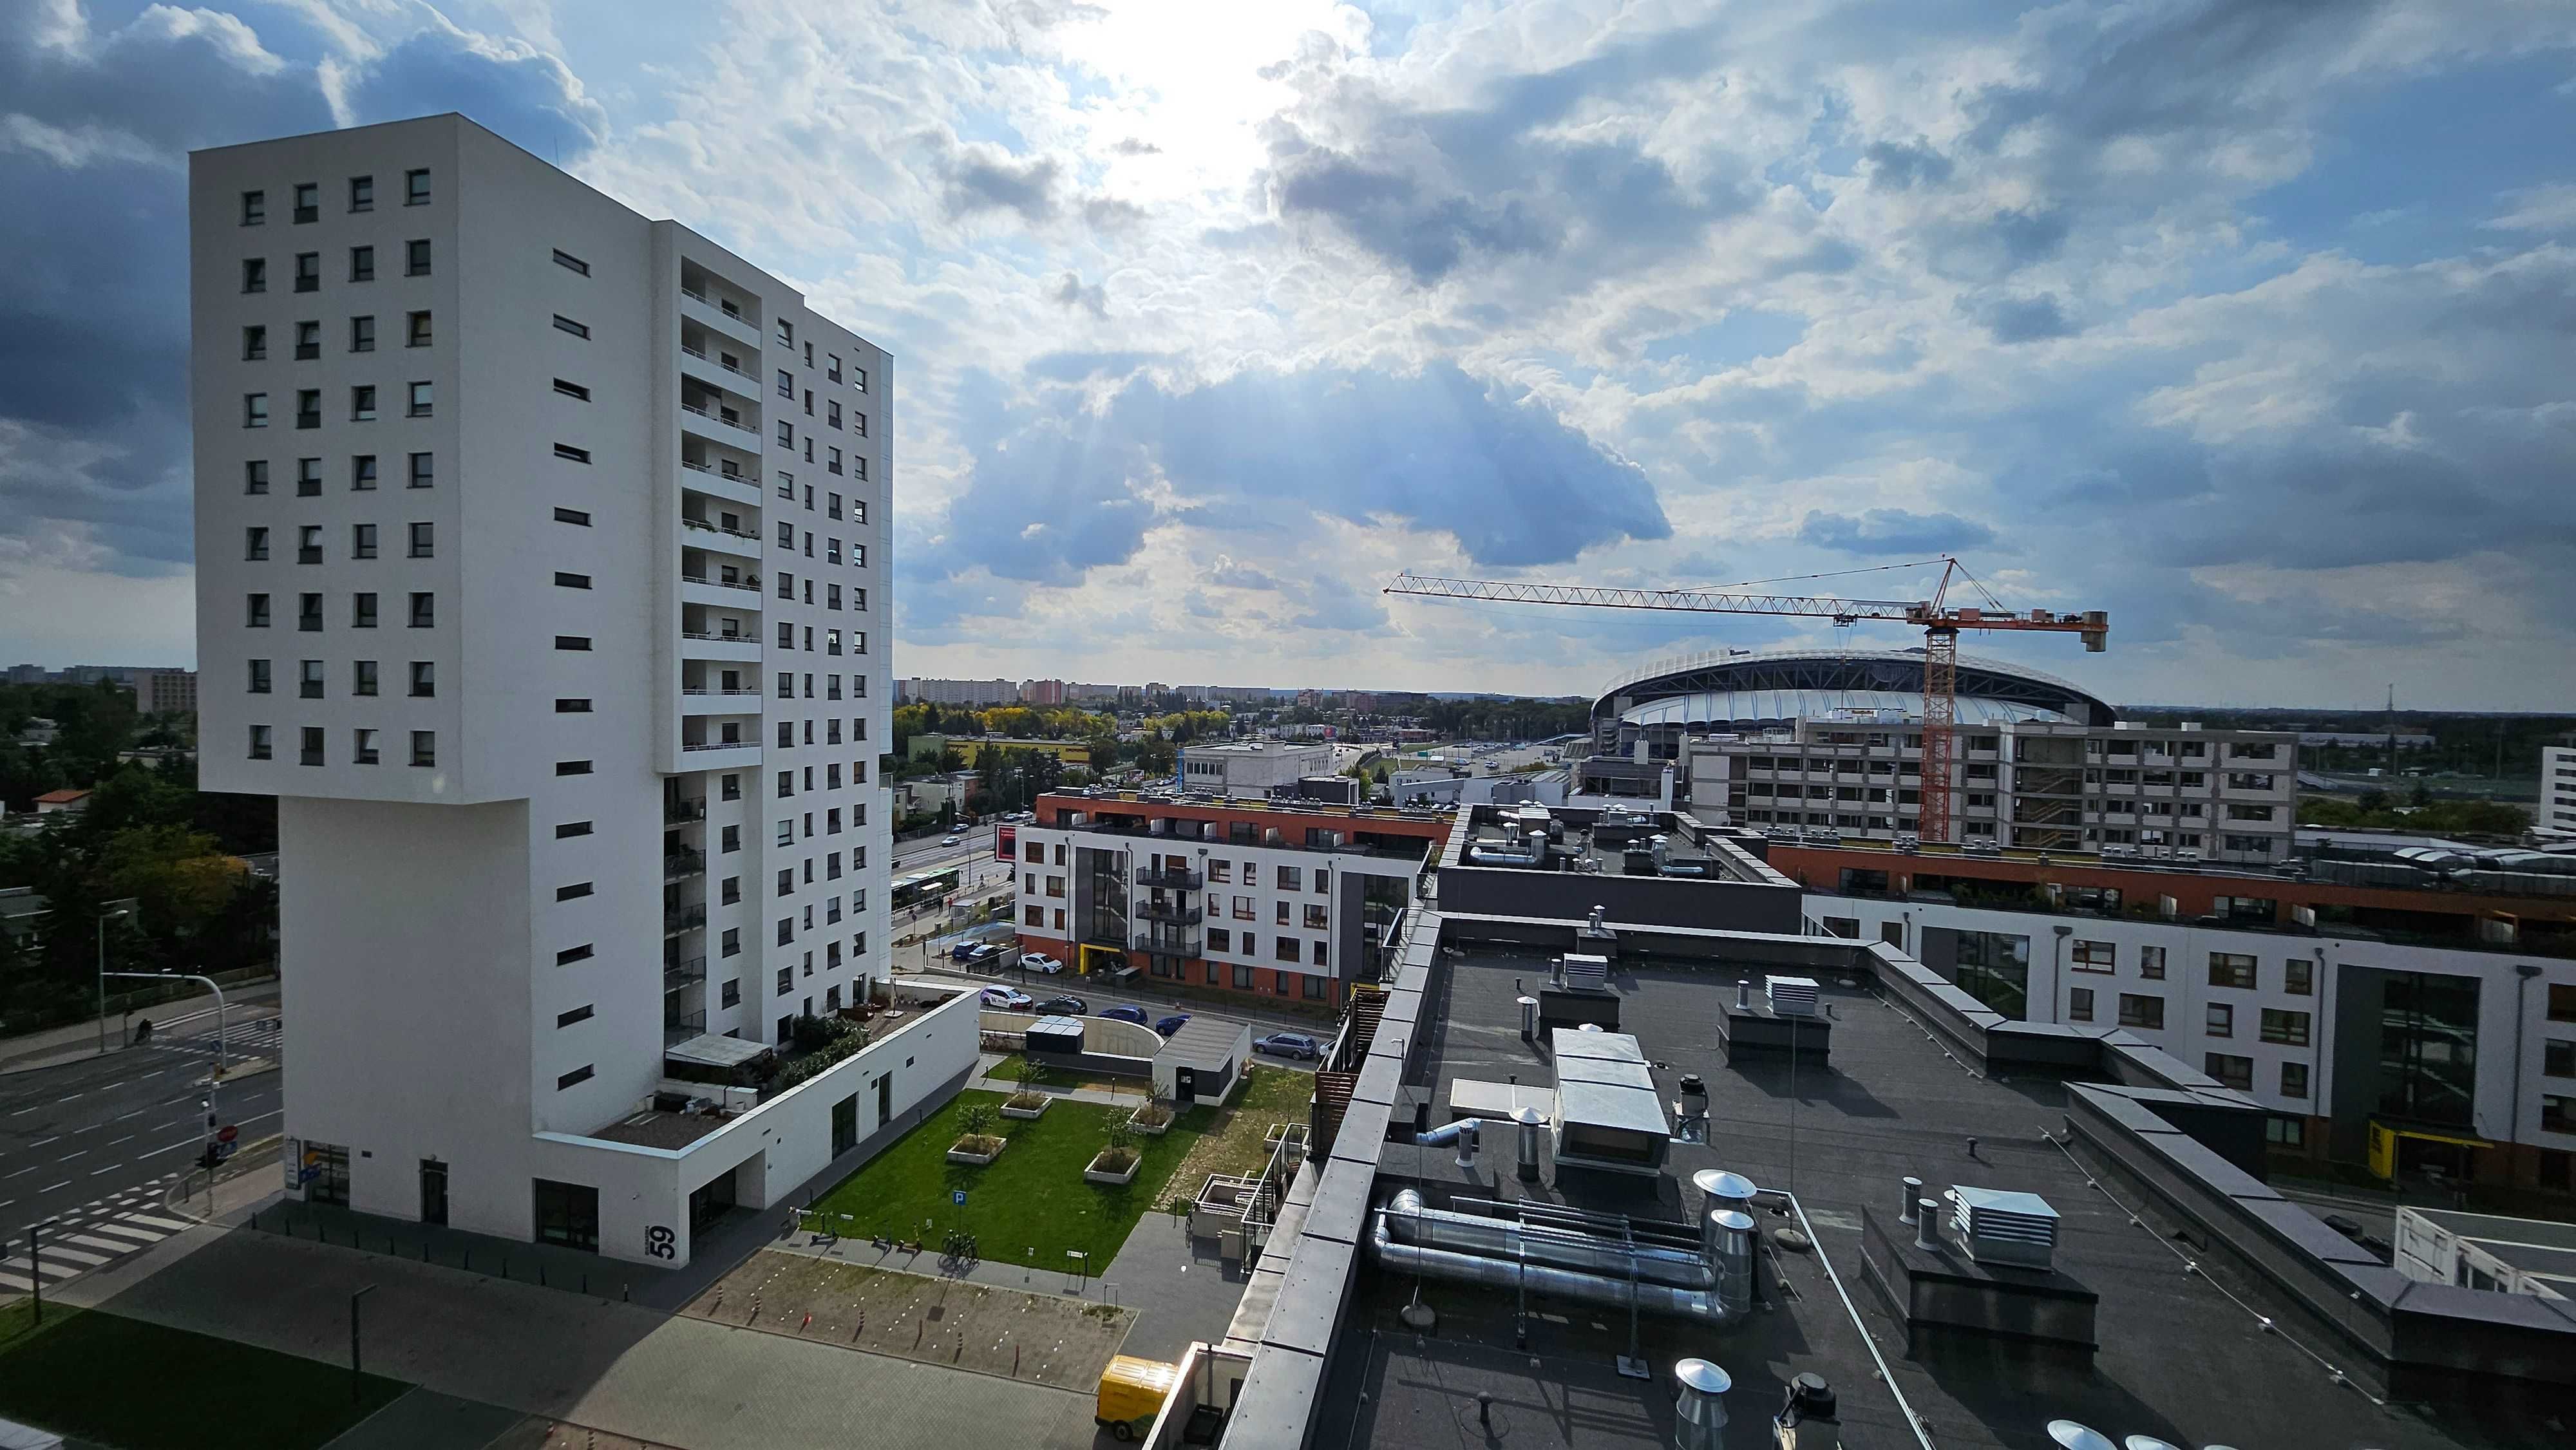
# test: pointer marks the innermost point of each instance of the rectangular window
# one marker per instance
(2096, 956)
(308, 271)
(308, 202)
(362, 404)
(2140, 1011)
(570, 454)
(566, 324)
(571, 263)
(362, 264)
(424, 747)
(574, 892)
(2557, 1114)
(423, 542)
(308, 407)
(572, 516)
(362, 745)
(572, 390)
(312, 745)
(424, 679)
(2298, 977)
(420, 400)
(2079, 1004)
(362, 677)
(572, 828)
(309, 680)
(416, 188)
(572, 767)
(254, 544)
(2231, 969)
(574, 1078)
(362, 193)
(2557, 1055)
(254, 211)
(254, 274)
(571, 581)
(254, 343)
(259, 746)
(424, 470)
(570, 955)
(571, 706)
(308, 613)
(2151, 963)
(2220, 1020)
(424, 611)
(362, 473)
(566, 1019)
(2230, 1070)
(2290, 1029)
(416, 258)
(2281, 1130)
(254, 410)
(416, 329)
(255, 476)
(259, 677)
(362, 336)
(362, 605)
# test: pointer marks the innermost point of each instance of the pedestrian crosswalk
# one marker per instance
(93, 1235)
(245, 1037)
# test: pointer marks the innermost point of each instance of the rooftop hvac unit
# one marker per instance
(1586, 973)
(1792, 996)
(1998, 1227)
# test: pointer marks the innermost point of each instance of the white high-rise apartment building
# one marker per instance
(542, 578)
(2557, 788)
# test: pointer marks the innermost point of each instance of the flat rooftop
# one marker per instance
(2178, 1358)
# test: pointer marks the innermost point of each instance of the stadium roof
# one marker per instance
(1766, 687)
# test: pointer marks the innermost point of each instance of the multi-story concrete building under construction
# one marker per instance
(541, 578)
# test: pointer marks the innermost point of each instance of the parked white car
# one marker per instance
(1041, 962)
(1006, 999)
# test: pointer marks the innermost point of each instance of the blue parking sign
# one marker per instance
(957, 1196)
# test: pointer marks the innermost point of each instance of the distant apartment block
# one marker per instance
(1288, 900)
(165, 692)
(541, 578)
(2558, 788)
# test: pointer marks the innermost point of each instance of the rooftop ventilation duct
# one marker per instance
(1791, 996)
(1581, 972)
(1400, 1236)
(1997, 1227)
(1699, 1405)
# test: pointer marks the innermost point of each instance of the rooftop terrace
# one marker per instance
(2180, 1357)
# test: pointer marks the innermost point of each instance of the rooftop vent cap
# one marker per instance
(1999, 1227)
(1792, 996)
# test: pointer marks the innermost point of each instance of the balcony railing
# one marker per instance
(1174, 878)
(679, 1027)
(1171, 943)
(691, 809)
(683, 862)
(714, 744)
(732, 635)
(1167, 911)
(676, 975)
(703, 526)
(747, 581)
(707, 690)
(688, 918)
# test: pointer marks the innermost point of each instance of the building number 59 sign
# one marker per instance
(661, 1243)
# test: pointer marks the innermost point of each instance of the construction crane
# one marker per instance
(1939, 619)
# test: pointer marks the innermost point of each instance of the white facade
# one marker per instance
(2558, 788)
(541, 577)
(1251, 769)
(2161, 980)
(2226, 795)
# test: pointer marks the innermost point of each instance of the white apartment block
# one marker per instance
(1251, 769)
(2448, 1046)
(542, 577)
(2184, 793)
(2557, 788)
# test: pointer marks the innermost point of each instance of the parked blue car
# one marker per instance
(1124, 1014)
(1169, 1025)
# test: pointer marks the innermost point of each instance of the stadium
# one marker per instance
(1744, 691)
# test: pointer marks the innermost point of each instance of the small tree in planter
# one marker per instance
(1028, 1102)
(979, 1141)
(1119, 1157)
(1156, 1115)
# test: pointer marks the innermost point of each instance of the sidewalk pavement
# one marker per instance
(78, 1041)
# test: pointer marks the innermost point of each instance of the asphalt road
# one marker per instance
(926, 853)
(73, 1134)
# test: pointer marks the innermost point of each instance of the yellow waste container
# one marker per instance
(1132, 1392)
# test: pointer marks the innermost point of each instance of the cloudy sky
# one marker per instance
(2251, 322)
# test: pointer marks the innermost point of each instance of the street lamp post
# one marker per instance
(215, 1080)
(104, 918)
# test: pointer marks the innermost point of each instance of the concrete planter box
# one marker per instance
(1150, 1130)
(1011, 1108)
(1097, 1174)
(960, 1154)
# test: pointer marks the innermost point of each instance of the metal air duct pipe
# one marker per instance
(1462, 1132)
(1507, 1276)
(1510, 1241)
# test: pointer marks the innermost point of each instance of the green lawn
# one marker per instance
(137, 1386)
(1032, 1204)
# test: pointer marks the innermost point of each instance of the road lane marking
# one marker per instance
(40, 1142)
(48, 1188)
(20, 1112)
(138, 1112)
(67, 1157)
(23, 1172)
(157, 1152)
(110, 1168)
